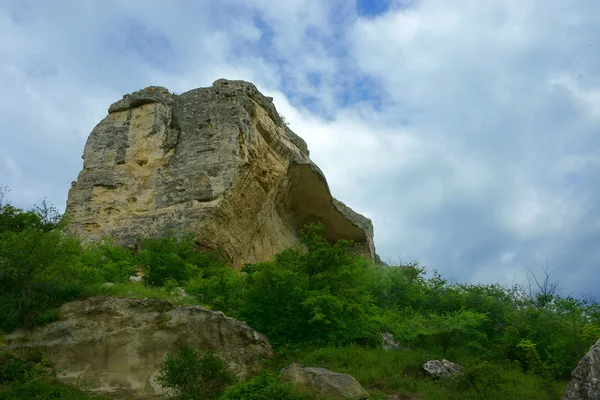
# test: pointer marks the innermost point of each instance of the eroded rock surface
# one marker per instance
(435, 369)
(443, 369)
(326, 383)
(453, 368)
(585, 379)
(116, 345)
(216, 161)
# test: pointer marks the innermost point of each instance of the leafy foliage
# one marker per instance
(38, 270)
(174, 257)
(320, 296)
(192, 376)
(30, 377)
(451, 327)
(266, 386)
(109, 261)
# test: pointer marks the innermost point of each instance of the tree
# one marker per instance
(448, 328)
(319, 295)
(545, 290)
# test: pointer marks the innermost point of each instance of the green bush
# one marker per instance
(217, 286)
(192, 376)
(167, 258)
(266, 386)
(25, 367)
(487, 379)
(29, 376)
(319, 296)
(38, 270)
(175, 258)
(109, 261)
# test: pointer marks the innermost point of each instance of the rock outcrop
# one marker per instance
(116, 345)
(585, 379)
(389, 342)
(453, 368)
(435, 369)
(443, 369)
(326, 383)
(219, 162)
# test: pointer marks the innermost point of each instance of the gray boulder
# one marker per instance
(453, 368)
(443, 369)
(435, 369)
(324, 382)
(585, 379)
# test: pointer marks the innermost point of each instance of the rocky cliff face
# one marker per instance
(116, 345)
(218, 162)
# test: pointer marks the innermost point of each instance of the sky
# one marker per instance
(467, 130)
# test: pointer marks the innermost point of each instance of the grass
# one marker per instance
(399, 373)
(134, 290)
(46, 390)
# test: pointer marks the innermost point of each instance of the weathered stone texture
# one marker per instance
(585, 379)
(218, 162)
(325, 383)
(116, 345)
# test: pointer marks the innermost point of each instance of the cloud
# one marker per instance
(466, 130)
(511, 90)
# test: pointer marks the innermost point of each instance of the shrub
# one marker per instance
(266, 386)
(530, 357)
(192, 376)
(486, 378)
(21, 368)
(175, 258)
(38, 271)
(318, 296)
(590, 334)
(167, 258)
(217, 286)
(109, 261)
(29, 376)
(447, 329)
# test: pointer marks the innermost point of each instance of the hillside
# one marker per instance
(322, 307)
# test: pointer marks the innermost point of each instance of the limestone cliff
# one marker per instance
(216, 161)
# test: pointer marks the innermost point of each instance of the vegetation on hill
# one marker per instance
(321, 307)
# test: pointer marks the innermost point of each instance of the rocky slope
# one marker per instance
(216, 161)
(116, 345)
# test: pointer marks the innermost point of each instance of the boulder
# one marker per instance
(453, 368)
(326, 383)
(218, 162)
(436, 369)
(585, 379)
(389, 342)
(116, 345)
